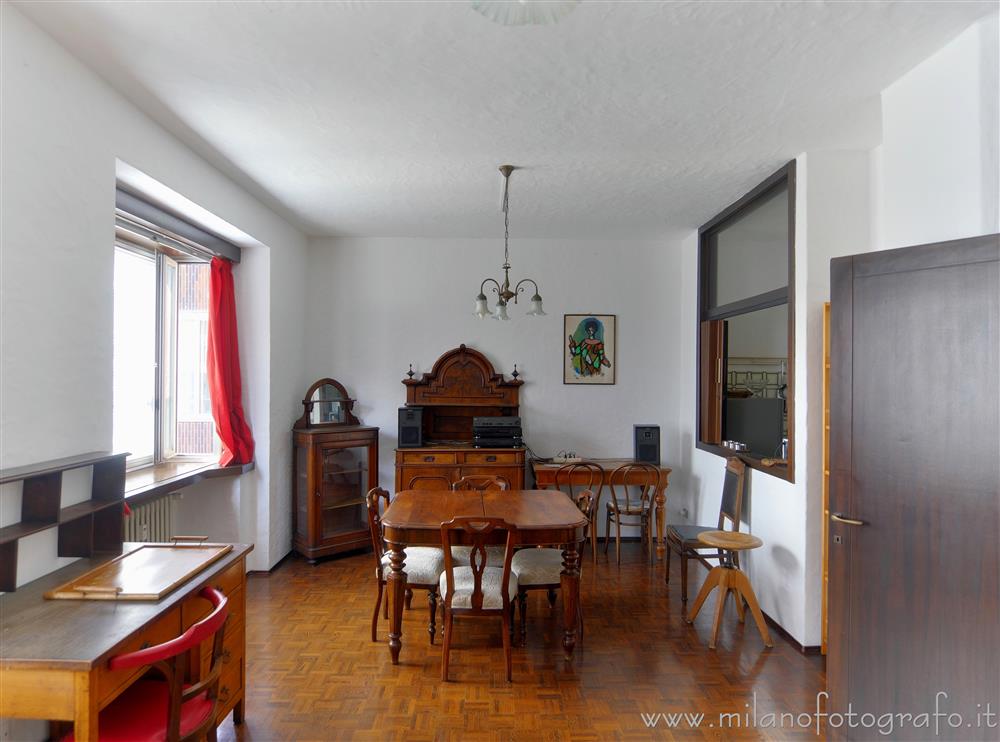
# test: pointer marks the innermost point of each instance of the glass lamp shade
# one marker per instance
(536, 307)
(501, 312)
(482, 311)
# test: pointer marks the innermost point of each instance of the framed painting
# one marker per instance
(589, 346)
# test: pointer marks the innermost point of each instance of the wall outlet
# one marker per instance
(683, 512)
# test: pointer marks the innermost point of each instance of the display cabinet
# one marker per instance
(335, 463)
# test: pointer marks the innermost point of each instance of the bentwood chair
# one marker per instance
(168, 709)
(683, 538)
(632, 487)
(480, 483)
(580, 477)
(423, 566)
(541, 569)
(477, 589)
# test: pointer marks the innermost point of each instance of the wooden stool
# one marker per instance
(728, 578)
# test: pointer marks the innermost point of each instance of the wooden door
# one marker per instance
(915, 425)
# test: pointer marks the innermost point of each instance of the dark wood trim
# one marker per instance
(776, 470)
(17, 473)
(158, 489)
(762, 301)
(751, 304)
(803, 648)
(761, 189)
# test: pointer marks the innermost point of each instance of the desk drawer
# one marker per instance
(229, 582)
(111, 682)
(492, 458)
(422, 457)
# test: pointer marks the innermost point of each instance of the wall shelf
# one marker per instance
(90, 527)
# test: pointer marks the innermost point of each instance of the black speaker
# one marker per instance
(411, 427)
(647, 444)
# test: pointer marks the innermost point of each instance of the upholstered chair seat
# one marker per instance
(537, 567)
(423, 565)
(492, 586)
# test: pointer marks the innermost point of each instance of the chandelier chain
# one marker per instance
(506, 220)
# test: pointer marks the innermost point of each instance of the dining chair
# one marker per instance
(477, 589)
(541, 569)
(169, 709)
(423, 565)
(632, 507)
(480, 483)
(683, 538)
(583, 476)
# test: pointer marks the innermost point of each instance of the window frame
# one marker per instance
(766, 300)
(161, 254)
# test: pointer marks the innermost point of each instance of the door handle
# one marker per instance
(839, 518)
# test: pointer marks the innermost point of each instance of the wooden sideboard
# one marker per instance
(54, 663)
(437, 467)
(461, 385)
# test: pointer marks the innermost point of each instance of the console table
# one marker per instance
(54, 660)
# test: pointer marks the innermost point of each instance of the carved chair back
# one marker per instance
(375, 510)
(480, 483)
(478, 533)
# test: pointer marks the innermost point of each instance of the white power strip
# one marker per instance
(566, 459)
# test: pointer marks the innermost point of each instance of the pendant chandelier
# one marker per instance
(503, 290)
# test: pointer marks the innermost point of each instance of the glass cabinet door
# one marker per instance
(343, 484)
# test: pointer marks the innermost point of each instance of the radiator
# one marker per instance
(152, 521)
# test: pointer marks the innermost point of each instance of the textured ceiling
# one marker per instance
(390, 118)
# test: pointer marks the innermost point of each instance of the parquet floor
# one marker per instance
(314, 674)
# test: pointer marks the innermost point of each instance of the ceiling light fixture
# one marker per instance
(524, 12)
(503, 292)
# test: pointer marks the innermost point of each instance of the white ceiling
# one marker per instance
(390, 118)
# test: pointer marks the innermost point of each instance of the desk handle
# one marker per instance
(839, 518)
(428, 458)
(197, 539)
(114, 590)
(491, 458)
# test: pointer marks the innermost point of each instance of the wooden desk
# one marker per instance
(414, 519)
(54, 653)
(545, 477)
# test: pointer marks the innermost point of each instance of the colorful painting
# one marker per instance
(589, 349)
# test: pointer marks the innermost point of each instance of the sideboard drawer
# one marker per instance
(423, 457)
(492, 458)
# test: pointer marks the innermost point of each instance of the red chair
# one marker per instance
(172, 711)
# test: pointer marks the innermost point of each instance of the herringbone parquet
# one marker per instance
(314, 674)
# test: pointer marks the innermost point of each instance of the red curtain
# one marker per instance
(224, 382)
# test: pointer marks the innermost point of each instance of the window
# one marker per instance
(746, 323)
(162, 409)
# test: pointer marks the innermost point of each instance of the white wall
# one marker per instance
(376, 305)
(832, 218)
(64, 130)
(939, 155)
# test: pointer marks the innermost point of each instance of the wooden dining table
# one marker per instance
(542, 517)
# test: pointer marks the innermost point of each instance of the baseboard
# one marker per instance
(791, 639)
